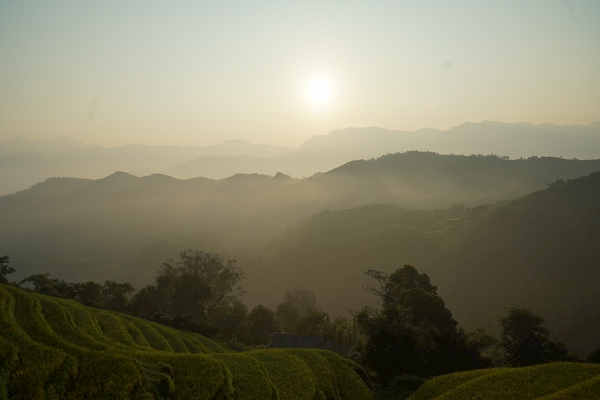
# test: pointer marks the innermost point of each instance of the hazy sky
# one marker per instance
(200, 72)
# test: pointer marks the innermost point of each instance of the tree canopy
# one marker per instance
(412, 332)
(525, 337)
(5, 269)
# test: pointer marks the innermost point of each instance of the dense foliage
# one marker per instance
(412, 333)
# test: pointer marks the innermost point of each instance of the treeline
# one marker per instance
(200, 292)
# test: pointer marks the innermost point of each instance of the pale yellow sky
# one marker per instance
(200, 73)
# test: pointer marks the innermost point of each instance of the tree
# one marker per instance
(115, 296)
(392, 289)
(232, 319)
(198, 282)
(147, 301)
(191, 295)
(89, 293)
(5, 269)
(594, 357)
(263, 324)
(525, 337)
(412, 332)
(315, 322)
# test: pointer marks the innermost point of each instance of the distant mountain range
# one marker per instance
(24, 162)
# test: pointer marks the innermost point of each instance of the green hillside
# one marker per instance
(547, 381)
(539, 251)
(58, 349)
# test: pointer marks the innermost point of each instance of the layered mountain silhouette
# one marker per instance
(25, 162)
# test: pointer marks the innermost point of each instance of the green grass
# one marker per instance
(58, 349)
(438, 386)
(320, 370)
(250, 379)
(547, 381)
(350, 384)
(291, 376)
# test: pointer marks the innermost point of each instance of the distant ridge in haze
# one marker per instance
(129, 224)
(20, 170)
(539, 251)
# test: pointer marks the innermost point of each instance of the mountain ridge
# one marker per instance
(318, 154)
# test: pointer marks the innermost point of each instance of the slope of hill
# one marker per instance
(122, 227)
(547, 381)
(59, 349)
(539, 251)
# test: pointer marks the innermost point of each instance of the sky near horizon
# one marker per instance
(199, 73)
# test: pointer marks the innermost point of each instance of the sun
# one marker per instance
(319, 91)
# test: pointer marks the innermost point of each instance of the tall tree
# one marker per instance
(198, 282)
(263, 323)
(412, 332)
(525, 337)
(116, 296)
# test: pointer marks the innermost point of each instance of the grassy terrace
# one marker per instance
(58, 349)
(547, 381)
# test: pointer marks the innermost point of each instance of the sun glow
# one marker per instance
(319, 91)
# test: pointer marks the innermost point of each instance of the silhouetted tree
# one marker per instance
(315, 322)
(148, 301)
(197, 283)
(412, 332)
(263, 324)
(232, 319)
(115, 296)
(89, 294)
(525, 337)
(5, 269)
(594, 356)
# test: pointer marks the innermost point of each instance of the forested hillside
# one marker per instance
(123, 227)
(538, 251)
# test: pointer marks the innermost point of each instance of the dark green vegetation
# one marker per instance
(549, 382)
(58, 349)
(538, 251)
(412, 333)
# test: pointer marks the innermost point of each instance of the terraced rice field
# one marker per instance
(58, 349)
(553, 381)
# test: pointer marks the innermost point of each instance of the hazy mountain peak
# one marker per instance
(120, 176)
